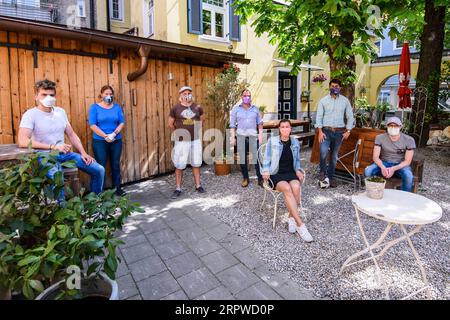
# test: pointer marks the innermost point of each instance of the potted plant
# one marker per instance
(223, 94)
(261, 111)
(375, 187)
(42, 239)
(222, 165)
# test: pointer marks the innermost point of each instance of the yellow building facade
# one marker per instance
(171, 20)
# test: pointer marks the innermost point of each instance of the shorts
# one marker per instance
(185, 152)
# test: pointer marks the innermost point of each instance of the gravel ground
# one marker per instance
(331, 221)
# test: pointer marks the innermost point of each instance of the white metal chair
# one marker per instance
(355, 164)
(268, 187)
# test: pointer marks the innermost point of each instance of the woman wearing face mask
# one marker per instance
(106, 120)
(281, 165)
(392, 155)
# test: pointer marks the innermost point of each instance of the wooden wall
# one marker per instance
(147, 146)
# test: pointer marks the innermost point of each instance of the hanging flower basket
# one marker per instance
(319, 79)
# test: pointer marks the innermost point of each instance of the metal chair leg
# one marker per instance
(264, 200)
(275, 212)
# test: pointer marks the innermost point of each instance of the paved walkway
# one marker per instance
(176, 251)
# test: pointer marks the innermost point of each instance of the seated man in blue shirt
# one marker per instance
(247, 119)
(332, 130)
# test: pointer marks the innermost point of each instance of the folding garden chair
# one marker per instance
(268, 187)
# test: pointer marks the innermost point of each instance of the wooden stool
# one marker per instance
(72, 180)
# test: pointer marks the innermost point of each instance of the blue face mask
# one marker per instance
(108, 99)
(335, 91)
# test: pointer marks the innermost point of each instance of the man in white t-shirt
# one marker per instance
(44, 127)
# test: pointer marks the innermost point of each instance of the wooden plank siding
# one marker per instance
(146, 102)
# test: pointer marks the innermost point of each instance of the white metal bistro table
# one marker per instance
(396, 208)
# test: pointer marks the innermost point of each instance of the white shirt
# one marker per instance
(47, 127)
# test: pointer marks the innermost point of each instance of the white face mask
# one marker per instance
(48, 101)
(393, 131)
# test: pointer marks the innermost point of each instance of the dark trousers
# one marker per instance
(104, 150)
(246, 145)
(332, 144)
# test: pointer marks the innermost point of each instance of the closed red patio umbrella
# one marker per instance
(404, 74)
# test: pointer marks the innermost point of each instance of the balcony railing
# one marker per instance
(45, 12)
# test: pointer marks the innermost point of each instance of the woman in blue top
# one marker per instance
(106, 121)
(281, 164)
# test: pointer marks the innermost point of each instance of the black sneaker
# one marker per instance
(176, 194)
(120, 192)
(333, 184)
(200, 189)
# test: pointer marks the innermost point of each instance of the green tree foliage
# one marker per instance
(343, 29)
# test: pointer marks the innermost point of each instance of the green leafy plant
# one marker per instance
(341, 29)
(376, 179)
(224, 92)
(41, 237)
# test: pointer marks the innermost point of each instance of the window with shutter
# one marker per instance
(195, 16)
(235, 24)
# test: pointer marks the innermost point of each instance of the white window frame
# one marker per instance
(81, 4)
(226, 29)
(381, 46)
(121, 8)
(149, 23)
(395, 45)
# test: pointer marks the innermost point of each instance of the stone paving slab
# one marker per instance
(204, 246)
(219, 260)
(259, 291)
(158, 286)
(198, 282)
(237, 278)
(178, 252)
(137, 252)
(146, 267)
(219, 293)
(127, 287)
(183, 264)
(171, 249)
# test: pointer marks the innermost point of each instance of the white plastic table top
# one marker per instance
(399, 207)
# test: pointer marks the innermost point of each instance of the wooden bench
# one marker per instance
(72, 180)
(417, 170)
(303, 137)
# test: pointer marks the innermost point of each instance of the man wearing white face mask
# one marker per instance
(185, 120)
(45, 125)
(392, 154)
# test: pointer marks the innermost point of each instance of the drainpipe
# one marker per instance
(92, 9)
(309, 89)
(144, 53)
(108, 21)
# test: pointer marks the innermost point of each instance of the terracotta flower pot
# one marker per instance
(221, 168)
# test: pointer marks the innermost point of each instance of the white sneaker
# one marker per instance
(304, 233)
(292, 225)
(325, 183)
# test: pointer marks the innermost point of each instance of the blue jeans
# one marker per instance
(245, 145)
(405, 174)
(94, 170)
(332, 143)
(104, 150)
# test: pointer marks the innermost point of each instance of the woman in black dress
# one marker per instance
(282, 165)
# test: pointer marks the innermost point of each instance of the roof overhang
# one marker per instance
(158, 49)
(302, 66)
